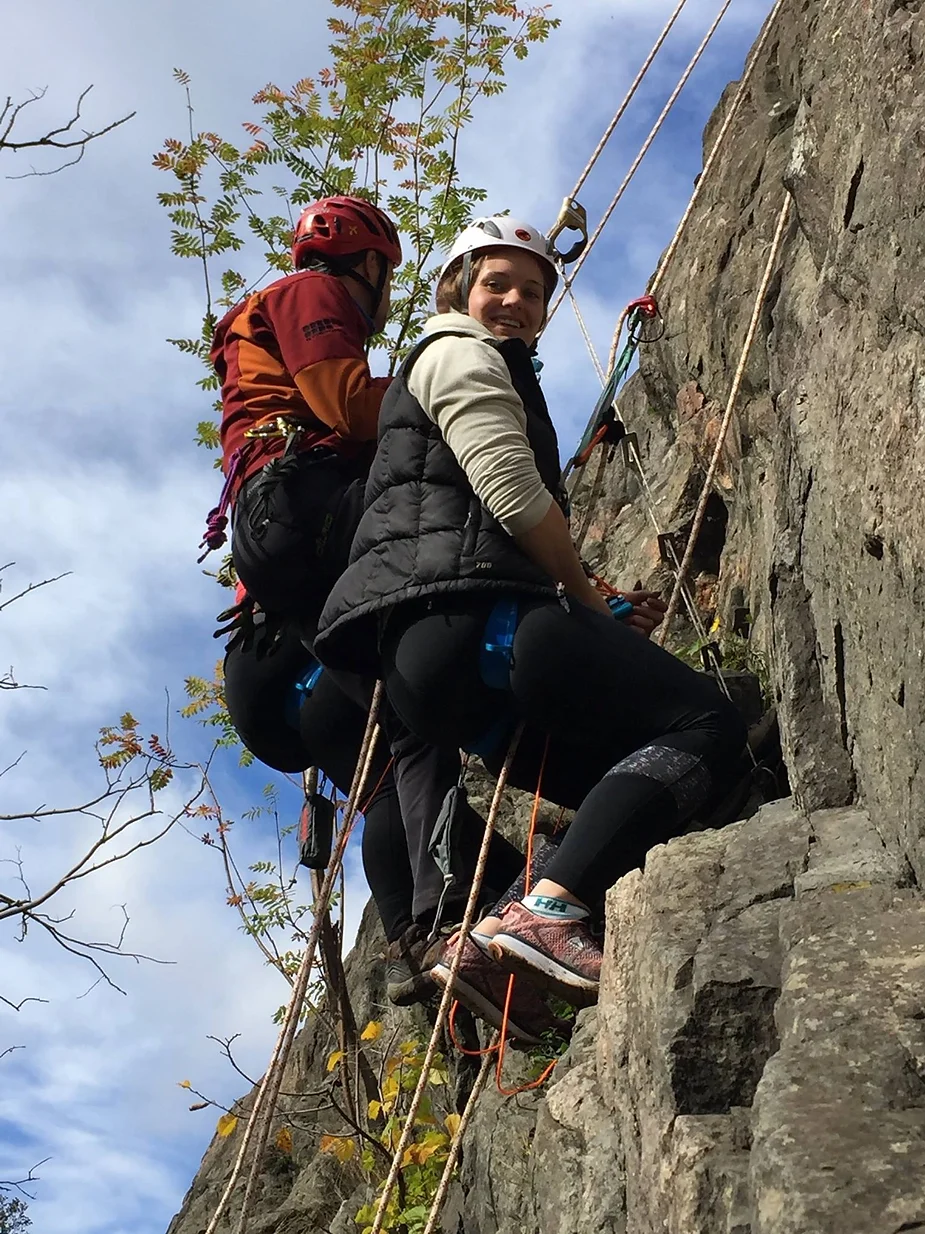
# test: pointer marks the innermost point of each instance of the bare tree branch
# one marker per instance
(22, 1002)
(8, 680)
(128, 818)
(10, 1184)
(32, 586)
(15, 763)
(64, 137)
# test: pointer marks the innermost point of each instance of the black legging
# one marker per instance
(259, 692)
(637, 740)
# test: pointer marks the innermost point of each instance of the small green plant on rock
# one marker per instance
(399, 1068)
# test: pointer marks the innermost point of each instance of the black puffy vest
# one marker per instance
(424, 532)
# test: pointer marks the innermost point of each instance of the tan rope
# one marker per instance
(448, 998)
(782, 221)
(585, 334)
(456, 1142)
(618, 116)
(615, 200)
(261, 1115)
(717, 146)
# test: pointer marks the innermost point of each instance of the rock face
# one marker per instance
(755, 1064)
(757, 1061)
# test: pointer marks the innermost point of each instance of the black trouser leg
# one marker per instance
(633, 732)
(332, 728)
(424, 774)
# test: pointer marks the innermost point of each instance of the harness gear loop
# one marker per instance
(572, 217)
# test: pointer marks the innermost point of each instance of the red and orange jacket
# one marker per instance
(297, 349)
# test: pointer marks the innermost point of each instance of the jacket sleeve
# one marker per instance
(344, 396)
(463, 385)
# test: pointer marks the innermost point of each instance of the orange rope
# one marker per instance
(451, 1024)
(369, 800)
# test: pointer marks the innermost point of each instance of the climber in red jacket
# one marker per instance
(300, 407)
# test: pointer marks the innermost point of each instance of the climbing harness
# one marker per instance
(277, 427)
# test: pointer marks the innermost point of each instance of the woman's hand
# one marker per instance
(648, 610)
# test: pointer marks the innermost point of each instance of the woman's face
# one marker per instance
(509, 295)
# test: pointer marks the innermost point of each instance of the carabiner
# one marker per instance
(572, 217)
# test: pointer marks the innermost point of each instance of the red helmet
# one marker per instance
(341, 226)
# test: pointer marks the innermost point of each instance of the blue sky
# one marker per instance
(100, 478)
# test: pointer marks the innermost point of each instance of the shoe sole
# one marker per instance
(518, 956)
(481, 1006)
(417, 989)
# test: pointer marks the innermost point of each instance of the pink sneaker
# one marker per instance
(558, 956)
(481, 985)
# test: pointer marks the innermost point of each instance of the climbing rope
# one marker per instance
(716, 147)
(618, 115)
(631, 450)
(572, 215)
(456, 1143)
(447, 999)
(585, 334)
(782, 220)
(264, 1107)
(568, 279)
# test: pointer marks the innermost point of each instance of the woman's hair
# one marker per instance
(449, 290)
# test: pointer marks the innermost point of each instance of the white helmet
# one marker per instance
(501, 231)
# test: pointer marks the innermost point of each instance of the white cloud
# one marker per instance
(99, 477)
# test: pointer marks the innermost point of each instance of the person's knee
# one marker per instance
(728, 732)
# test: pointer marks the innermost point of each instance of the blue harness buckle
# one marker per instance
(497, 649)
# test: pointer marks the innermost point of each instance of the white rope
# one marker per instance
(448, 997)
(263, 1109)
(615, 200)
(618, 115)
(456, 1142)
(700, 512)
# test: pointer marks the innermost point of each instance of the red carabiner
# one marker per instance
(647, 305)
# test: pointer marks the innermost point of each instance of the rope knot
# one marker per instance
(215, 537)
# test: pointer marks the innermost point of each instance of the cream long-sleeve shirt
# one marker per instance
(464, 386)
